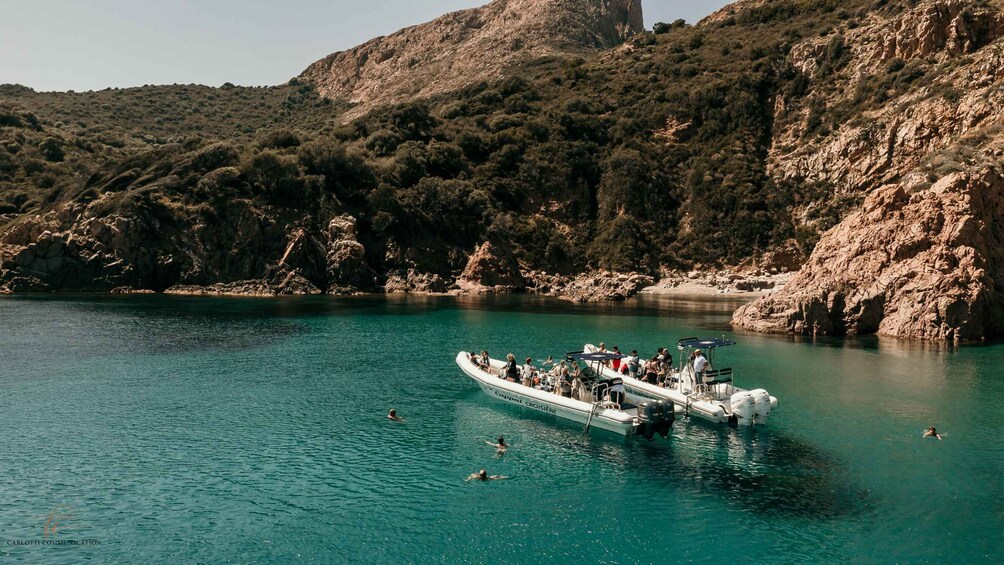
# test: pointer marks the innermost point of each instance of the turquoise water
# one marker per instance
(177, 429)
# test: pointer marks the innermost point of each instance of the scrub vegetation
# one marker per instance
(649, 155)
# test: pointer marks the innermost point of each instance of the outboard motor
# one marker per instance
(649, 416)
(762, 402)
(744, 407)
(668, 416)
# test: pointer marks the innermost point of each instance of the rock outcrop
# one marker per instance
(347, 269)
(951, 102)
(156, 247)
(926, 265)
(600, 286)
(469, 46)
(492, 269)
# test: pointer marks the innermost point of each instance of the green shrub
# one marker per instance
(215, 156)
(52, 150)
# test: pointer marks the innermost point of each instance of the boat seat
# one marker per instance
(719, 377)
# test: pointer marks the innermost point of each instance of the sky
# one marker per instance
(95, 44)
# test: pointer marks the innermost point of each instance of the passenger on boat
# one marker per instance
(615, 364)
(528, 372)
(511, 370)
(393, 417)
(665, 366)
(486, 362)
(577, 387)
(931, 432)
(700, 364)
(562, 378)
(475, 359)
(633, 364)
(652, 370)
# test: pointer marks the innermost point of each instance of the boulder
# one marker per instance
(492, 268)
(413, 281)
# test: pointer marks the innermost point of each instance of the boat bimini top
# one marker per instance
(703, 343)
(593, 357)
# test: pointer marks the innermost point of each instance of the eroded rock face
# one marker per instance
(926, 265)
(347, 269)
(492, 269)
(243, 251)
(898, 134)
(469, 46)
(599, 286)
(417, 282)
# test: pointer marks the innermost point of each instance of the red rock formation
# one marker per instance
(926, 266)
(492, 269)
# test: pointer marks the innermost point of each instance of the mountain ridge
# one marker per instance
(467, 46)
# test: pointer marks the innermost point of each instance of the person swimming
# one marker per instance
(393, 417)
(500, 445)
(931, 432)
(483, 475)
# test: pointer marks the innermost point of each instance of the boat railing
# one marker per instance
(718, 376)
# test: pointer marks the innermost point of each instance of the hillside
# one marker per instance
(465, 47)
(746, 137)
(908, 119)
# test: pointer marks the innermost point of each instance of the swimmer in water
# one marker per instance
(483, 475)
(931, 432)
(500, 446)
(393, 417)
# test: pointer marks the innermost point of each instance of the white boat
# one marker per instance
(712, 397)
(589, 404)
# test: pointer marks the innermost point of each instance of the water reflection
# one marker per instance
(761, 470)
(767, 472)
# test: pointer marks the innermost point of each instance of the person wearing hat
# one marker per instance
(700, 364)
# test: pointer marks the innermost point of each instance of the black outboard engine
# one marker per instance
(667, 416)
(649, 416)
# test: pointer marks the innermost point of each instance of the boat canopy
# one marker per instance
(706, 343)
(590, 357)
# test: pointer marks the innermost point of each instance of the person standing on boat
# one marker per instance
(633, 363)
(511, 369)
(528, 372)
(700, 364)
(665, 366)
(615, 364)
(652, 370)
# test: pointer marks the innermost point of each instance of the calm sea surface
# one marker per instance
(176, 430)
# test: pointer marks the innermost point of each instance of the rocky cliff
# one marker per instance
(905, 113)
(468, 46)
(923, 265)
